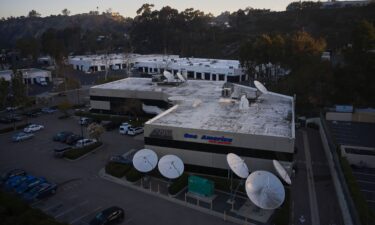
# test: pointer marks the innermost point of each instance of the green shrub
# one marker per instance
(78, 152)
(117, 169)
(133, 175)
(178, 184)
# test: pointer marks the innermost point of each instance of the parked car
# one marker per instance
(22, 136)
(62, 136)
(111, 215)
(12, 173)
(15, 118)
(32, 114)
(48, 110)
(84, 121)
(85, 142)
(121, 159)
(124, 127)
(59, 152)
(33, 128)
(41, 191)
(135, 131)
(15, 181)
(29, 184)
(5, 120)
(72, 139)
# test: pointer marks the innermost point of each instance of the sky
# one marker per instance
(128, 8)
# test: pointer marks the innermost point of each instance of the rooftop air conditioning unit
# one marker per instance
(226, 92)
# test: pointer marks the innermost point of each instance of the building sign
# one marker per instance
(210, 139)
(162, 134)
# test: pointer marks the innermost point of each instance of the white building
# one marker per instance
(30, 75)
(203, 121)
(195, 68)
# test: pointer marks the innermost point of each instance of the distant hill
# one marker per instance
(16, 28)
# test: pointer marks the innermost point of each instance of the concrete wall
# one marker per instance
(100, 105)
(366, 117)
(359, 160)
(339, 116)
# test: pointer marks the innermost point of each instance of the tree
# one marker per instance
(64, 107)
(18, 88)
(65, 12)
(29, 47)
(4, 91)
(34, 14)
(95, 130)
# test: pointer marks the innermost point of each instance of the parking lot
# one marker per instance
(81, 192)
(366, 181)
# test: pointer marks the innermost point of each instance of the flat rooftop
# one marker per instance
(199, 105)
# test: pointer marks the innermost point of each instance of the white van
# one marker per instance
(124, 128)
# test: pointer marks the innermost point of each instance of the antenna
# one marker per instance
(265, 190)
(170, 166)
(145, 160)
(260, 87)
(282, 172)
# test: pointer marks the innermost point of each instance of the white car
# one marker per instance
(124, 128)
(135, 130)
(85, 142)
(33, 128)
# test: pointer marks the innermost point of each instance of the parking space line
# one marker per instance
(71, 209)
(36, 203)
(53, 206)
(373, 191)
(364, 181)
(84, 215)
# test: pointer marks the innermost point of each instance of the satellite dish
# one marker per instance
(145, 160)
(244, 103)
(260, 87)
(171, 166)
(169, 76)
(237, 165)
(265, 190)
(180, 76)
(282, 172)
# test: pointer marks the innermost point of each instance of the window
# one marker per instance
(221, 77)
(190, 74)
(199, 76)
(207, 76)
(213, 76)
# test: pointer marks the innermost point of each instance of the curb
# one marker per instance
(85, 155)
(102, 174)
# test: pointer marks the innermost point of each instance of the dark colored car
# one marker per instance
(12, 173)
(62, 136)
(29, 184)
(33, 114)
(121, 159)
(112, 215)
(59, 152)
(39, 192)
(72, 139)
(15, 181)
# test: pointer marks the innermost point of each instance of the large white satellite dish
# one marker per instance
(260, 87)
(171, 166)
(237, 165)
(180, 77)
(145, 160)
(265, 190)
(169, 76)
(282, 172)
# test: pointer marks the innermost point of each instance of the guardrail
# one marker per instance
(347, 207)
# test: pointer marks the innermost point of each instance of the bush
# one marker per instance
(178, 184)
(117, 169)
(133, 175)
(78, 152)
(15, 211)
(11, 128)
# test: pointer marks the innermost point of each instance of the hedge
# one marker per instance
(10, 129)
(117, 169)
(133, 175)
(113, 118)
(14, 211)
(179, 184)
(78, 152)
(366, 214)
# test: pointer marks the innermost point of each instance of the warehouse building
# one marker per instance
(202, 121)
(30, 75)
(194, 68)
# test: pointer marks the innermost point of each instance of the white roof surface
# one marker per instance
(199, 105)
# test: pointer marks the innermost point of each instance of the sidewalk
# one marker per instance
(242, 212)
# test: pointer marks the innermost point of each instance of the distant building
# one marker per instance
(195, 68)
(343, 4)
(30, 75)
